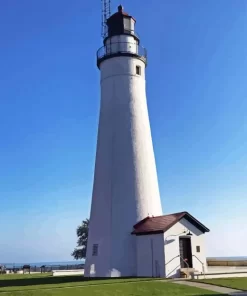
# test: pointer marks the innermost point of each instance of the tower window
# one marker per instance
(138, 70)
(95, 250)
(198, 249)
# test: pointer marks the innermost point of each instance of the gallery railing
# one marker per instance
(124, 48)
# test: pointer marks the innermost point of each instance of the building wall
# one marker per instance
(125, 186)
(150, 255)
(172, 262)
(68, 272)
(226, 269)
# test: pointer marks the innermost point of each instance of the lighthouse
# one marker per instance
(125, 188)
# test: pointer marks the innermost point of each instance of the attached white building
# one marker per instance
(168, 244)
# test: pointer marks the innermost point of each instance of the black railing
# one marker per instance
(125, 48)
(43, 268)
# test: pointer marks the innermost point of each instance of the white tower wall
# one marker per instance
(125, 182)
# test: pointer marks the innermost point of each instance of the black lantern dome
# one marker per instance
(121, 23)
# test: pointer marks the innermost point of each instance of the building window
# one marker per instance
(95, 249)
(198, 249)
(127, 24)
(138, 70)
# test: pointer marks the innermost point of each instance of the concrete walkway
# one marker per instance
(221, 290)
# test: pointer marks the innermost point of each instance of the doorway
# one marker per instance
(185, 251)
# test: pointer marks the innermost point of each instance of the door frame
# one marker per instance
(190, 259)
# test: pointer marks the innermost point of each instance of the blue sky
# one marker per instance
(49, 95)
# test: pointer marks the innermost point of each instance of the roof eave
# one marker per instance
(147, 233)
(196, 223)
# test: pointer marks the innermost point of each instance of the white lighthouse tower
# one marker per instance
(125, 188)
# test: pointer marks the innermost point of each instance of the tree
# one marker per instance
(82, 233)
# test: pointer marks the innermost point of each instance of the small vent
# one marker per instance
(95, 250)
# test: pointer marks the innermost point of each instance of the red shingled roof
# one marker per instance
(161, 224)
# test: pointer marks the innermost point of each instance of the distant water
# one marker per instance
(77, 262)
(228, 258)
(38, 264)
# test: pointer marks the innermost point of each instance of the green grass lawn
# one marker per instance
(46, 285)
(47, 281)
(235, 283)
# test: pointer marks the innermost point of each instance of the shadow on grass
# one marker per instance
(51, 280)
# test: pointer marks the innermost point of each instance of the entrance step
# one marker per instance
(187, 272)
